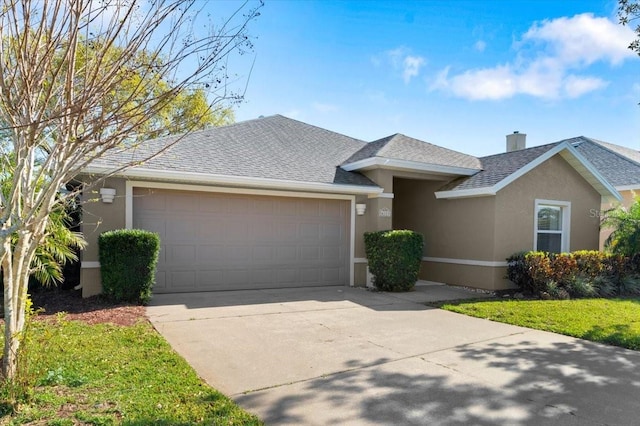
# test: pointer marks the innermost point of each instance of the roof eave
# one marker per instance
(635, 187)
(406, 165)
(244, 181)
(465, 193)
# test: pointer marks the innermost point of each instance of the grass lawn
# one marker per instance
(611, 321)
(110, 375)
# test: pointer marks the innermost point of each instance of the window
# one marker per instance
(552, 225)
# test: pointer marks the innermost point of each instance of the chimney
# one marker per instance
(516, 141)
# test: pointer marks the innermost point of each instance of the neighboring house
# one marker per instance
(618, 165)
(274, 202)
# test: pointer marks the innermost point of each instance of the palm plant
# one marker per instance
(625, 238)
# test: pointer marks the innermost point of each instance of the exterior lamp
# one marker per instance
(107, 195)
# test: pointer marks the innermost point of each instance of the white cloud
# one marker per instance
(547, 56)
(403, 62)
(411, 67)
(480, 45)
(583, 39)
(575, 86)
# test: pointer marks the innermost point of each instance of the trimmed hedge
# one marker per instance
(582, 273)
(394, 258)
(128, 260)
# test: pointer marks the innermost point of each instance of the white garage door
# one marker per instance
(214, 241)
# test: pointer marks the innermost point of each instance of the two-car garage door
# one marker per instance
(223, 241)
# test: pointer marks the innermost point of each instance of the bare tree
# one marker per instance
(78, 79)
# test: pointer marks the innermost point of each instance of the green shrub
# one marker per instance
(579, 274)
(128, 259)
(394, 258)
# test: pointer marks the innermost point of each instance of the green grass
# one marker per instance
(111, 375)
(611, 321)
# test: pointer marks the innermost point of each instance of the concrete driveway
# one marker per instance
(327, 356)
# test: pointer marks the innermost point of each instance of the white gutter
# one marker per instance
(213, 179)
(406, 165)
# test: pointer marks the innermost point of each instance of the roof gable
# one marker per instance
(502, 169)
(402, 152)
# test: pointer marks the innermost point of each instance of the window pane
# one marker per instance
(550, 242)
(549, 218)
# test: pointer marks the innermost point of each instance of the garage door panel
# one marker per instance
(181, 254)
(214, 241)
(240, 206)
(212, 205)
(181, 202)
(287, 276)
(263, 207)
(311, 275)
(263, 277)
(182, 280)
(235, 230)
(161, 282)
(331, 232)
(331, 274)
(151, 223)
(262, 255)
(181, 229)
(286, 254)
(309, 253)
(210, 254)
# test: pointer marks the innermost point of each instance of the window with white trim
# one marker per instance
(552, 226)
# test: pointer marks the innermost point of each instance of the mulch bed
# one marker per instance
(92, 310)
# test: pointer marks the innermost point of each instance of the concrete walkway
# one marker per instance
(327, 356)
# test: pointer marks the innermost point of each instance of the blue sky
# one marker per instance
(460, 74)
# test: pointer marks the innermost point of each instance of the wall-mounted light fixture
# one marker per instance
(107, 195)
(360, 209)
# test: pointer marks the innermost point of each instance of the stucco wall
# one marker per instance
(554, 180)
(458, 229)
(484, 277)
(98, 217)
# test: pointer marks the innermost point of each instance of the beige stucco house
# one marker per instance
(275, 202)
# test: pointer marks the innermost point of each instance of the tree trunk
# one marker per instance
(15, 266)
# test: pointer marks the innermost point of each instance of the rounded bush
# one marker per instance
(394, 258)
(128, 260)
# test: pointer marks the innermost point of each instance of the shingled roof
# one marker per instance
(497, 167)
(613, 162)
(618, 164)
(282, 149)
(401, 147)
(272, 147)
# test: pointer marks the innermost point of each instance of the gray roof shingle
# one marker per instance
(401, 147)
(615, 163)
(272, 147)
(497, 167)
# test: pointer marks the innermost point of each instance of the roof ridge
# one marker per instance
(439, 146)
(314, 126)
(523, 150)
(606, 148)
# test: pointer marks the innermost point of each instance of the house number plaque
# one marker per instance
(384, 212)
